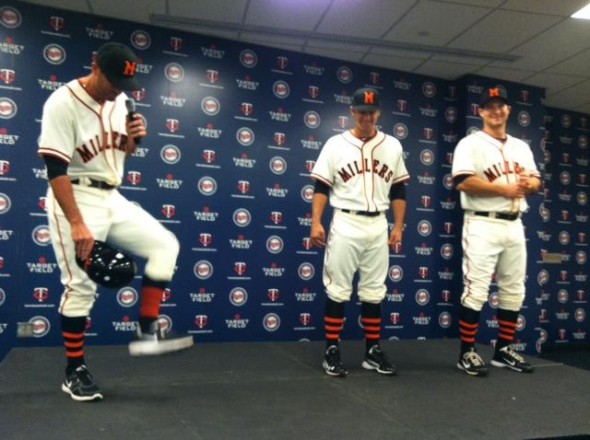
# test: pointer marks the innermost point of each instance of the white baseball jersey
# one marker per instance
(481, 155)
(360, 174)
(90, 137)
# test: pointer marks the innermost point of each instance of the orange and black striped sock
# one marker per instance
(507, 322)
(333, 322)
(149, 305)
(73, 334)
(371, 321)
(468, 326)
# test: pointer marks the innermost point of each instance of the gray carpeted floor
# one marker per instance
(278, 391)
(574, 356)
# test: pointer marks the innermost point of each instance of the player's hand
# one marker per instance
(514, 191)
(135, 129)
(395, 236)
(318, 235)
(525, 181)
(83, 240)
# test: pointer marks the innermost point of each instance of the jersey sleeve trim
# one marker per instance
(401, 179)
(45, 151)
(322, 179)
(463, 173)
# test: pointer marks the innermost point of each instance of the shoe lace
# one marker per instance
(378, 354)
(333, 356)
(84, 375)
(474, 358)
(514, 355)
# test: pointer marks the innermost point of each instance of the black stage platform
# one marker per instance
(278, 391)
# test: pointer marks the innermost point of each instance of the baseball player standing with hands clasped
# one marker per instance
(86, 135)
(360, 172)
(494, 172)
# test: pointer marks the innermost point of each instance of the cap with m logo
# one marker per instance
(366, 99)
(119, 65)
(491, 93)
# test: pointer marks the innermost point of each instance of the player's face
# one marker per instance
(495, 114)
(105, 89)
(365, 121)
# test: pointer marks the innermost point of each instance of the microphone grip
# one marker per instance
(130, 104)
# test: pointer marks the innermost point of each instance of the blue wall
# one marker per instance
(233, 131)
(564, 295)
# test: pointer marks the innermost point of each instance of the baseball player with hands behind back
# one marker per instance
(86, 135)
(360, 172)
(494, 172)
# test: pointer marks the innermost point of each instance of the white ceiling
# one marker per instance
(553, 49)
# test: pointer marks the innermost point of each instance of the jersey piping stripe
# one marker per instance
(349, 141)
(105, 140)
(364, 181)
(46, 151)
(515, 203)
(82, 101)
(113, 146)
(403, 178)
(463, 173)
(322, 179)
(64, 253)
(327, 257)
(467, 262)
(372, 173)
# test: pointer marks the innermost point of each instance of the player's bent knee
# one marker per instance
(161, 263)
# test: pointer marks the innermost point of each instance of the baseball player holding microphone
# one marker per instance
(361, 173)
(86, 135)
(494, 173)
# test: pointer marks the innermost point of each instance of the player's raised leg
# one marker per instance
(135, 230)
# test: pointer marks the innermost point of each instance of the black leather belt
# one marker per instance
(364, 213)
(500, 215)
(95, 184)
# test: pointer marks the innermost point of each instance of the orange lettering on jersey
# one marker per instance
(369, 98)
(495, 92)
(129, 69)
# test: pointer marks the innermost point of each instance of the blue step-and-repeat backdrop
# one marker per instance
(564, 286)
(234, 130)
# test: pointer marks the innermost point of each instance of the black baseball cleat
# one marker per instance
(471, 363)
(507, 358)
(332, 363)
(158, 341)
(376, 360)
(80, 385)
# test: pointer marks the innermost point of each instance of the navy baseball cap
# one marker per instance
(366, 99)
(493, 93)
(119, 64)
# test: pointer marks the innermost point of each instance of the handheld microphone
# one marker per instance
(130, 104)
